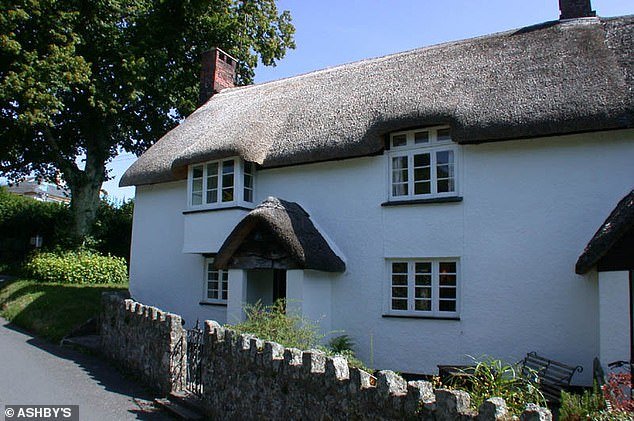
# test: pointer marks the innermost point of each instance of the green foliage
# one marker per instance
(341, 343)
(587, 406)
(112, 230)
(51, 310)
(273, 323)
(494, 378)
(77, 267)
(81, 78)
(22, 218)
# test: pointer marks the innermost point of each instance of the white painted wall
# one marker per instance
(614, 317)
(529, 208)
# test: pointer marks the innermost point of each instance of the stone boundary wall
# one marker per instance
(247, 378)
(145, 340)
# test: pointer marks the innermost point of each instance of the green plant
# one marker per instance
(77, 267)
(273, 323)
(493, 378)
(586, 406)
(341, 343)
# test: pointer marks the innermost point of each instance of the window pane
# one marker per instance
(422, 305)
(248, 195)
(448, 293)
(224, 294)
(421, 160)
(399, 292)
(212, 196)
(421, 174)
(443, 135)
(197, 198)
(422, 188)
(399, 162)
(212, 294)
(446, 305)
(248, 181)
(248, 167)
(399, 267)
(423, 267)
(447, 267)
(227, 180)
(444, 157)
(421, 137)
(422, 292)
(212, 169)
(399, 190)
(399, 304)
(227, 195)
(227, 167)
(399, 279)
(445, 186)
(444, 171)
(197, 171)
(399, 140)
(225, 275)
(447, 279)
(423, 279)
(197, 185)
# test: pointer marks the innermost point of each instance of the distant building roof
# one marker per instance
(550, 79)
(40, 190)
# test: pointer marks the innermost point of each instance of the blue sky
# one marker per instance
(333, 32)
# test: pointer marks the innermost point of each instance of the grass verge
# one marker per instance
(51, 310)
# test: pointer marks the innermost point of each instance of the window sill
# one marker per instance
(231, 207)
(416, 316)
(206, 303)
(450, 199)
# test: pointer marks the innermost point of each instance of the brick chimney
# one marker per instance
(218, 72)
(572, 9)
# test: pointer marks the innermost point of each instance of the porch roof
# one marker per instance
(292, 227)
(616, 234)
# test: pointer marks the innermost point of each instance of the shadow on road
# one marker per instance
(105, 374)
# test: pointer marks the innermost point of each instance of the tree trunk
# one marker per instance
(85, 188)
(83, 206)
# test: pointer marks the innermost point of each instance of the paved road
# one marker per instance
(36, 372)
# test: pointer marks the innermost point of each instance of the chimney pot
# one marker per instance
(218, 71)
(572, 9)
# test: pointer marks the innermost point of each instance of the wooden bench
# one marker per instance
(553, 376)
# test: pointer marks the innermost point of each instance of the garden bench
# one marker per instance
(553, 376)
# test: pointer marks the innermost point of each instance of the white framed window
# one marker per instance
(216, 285)
(424, 287)
(220, 183)
(422, 164)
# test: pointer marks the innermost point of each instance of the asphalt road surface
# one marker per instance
(35, 372)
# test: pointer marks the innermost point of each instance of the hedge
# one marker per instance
(77, 267)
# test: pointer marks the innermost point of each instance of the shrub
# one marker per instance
(272, 323)
(343, 345)
(77, 267)
(587, 406)
(494, 378)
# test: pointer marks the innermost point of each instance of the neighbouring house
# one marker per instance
(430, 204)
(41, 190)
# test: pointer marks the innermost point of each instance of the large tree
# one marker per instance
(93, 78)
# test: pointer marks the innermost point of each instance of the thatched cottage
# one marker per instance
(430, 204)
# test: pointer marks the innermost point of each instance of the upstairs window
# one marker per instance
(422, 164)
(226, 181)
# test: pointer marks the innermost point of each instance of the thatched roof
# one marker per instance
(620, 221)
(549, 79)
(292, 227)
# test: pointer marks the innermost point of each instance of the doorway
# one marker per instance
(266, 286)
